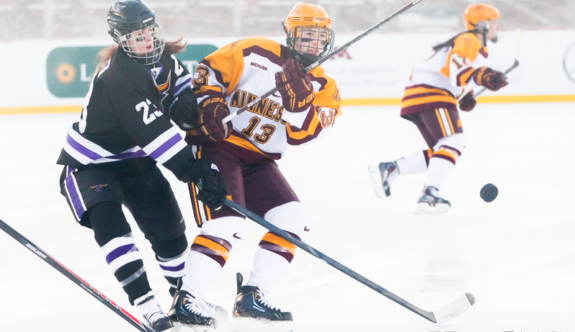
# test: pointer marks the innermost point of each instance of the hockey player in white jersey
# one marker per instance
(430, 101)
(303, 110)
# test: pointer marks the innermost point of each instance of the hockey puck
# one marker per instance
(489, 192)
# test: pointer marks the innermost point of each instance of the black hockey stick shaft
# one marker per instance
(325, 58)
(76, 279)
(300, 244)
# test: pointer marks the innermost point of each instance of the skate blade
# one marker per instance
(424, 208)
(260, 325)
(375, 176)
(179, 327)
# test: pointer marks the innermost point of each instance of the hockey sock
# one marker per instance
(171, 256)
(415, 163)
(113, 234)
(207, 257)
(125, 260)
(271, 261)
(440, 167)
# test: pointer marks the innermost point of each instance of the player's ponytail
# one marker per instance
(448, 43)
(103, 56)
(176, 46)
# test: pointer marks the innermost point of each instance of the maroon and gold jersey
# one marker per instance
(244, 70)
(442, 79)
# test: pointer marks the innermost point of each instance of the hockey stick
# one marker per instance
(77, 280)
(325, 58)
(452, 310)
(516, 63)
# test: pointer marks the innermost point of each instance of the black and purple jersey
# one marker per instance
(126, 115)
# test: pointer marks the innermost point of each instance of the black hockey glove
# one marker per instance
(467, 103)
(184, 110)
(212, 189)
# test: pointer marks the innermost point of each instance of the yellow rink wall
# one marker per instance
(345, 102)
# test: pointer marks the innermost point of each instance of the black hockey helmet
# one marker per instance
(129, 17)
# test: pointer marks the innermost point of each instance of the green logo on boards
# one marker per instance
(69, 70)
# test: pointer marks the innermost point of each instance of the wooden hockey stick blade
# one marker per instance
(325, 58)
(75, 278)
(453, 310)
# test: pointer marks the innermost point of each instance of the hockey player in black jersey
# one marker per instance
(110, 155)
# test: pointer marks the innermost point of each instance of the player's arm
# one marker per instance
(145, 123)
(308, 114)
(465, 50)
(214, 75)
(183, 110)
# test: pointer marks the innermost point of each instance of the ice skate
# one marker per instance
(253, 313)
(188, 310)
(382, 175)
(430, 202)
(153, 313)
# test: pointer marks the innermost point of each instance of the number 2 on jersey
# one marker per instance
(268, 130)
(148, 118)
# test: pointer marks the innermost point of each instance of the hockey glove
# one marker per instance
(295, 87)
(209, 123)
(184, 110)
(212, 189)
(491, 79)
(467, 103)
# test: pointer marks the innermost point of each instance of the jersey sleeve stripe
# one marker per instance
(321, 80)
(464, 76)
(295, 119)
(182, 83)
(165, 146)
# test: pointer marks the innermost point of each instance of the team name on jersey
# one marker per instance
(266, 107)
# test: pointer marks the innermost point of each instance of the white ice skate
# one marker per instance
(382, 175)
(153, 313)
(431, 203)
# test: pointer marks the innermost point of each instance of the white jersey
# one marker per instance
(442, 79)
(243, 70)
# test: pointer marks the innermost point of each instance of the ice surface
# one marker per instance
(516, 255)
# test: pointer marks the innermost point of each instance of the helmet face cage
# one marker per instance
(144, 45)
(310, 43)
(483, 28)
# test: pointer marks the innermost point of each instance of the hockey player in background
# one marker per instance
(430, 101)
(245, 149)
(110, 155)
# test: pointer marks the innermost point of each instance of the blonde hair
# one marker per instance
(172, 47)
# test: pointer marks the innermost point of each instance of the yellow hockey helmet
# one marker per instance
(303, 14)
(479, 16)
(308, 16)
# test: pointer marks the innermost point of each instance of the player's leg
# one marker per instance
(150, 199)
(444, 126)
(385, 173)
(220, 231)
(95, 197)
(268, 194)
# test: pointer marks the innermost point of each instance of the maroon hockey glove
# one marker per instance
(184, 111)
(212, 189)
(490, 79)
(295, 87)
(467, 103)
(209, 124)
